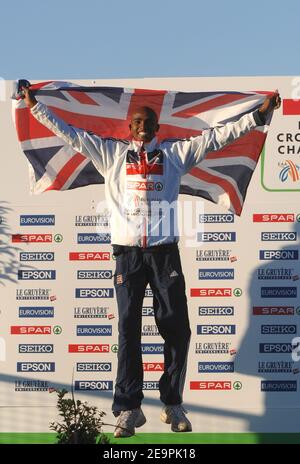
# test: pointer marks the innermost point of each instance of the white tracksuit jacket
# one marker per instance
(140, 187)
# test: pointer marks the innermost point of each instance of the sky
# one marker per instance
(64, 39)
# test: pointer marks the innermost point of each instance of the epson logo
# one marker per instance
(35, 367)
(152, 348)
(36, 275)
(277, 329)
(216, 236)
(94, 330)
(278, 236)
(216, 329)
(277, 348)
(93, 385)
(93, 367)
(285, 255)
(279, 385)
(94, 293)
(37, 220)
(36, 348)
(37, 256)
(93, 238)
(147, 311)
(211, 367)
(216, 218)
(216, 310)
(38, 311)
(101, 274)
(279, 292)
(216, 274)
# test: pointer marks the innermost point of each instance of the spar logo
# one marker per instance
(279, 348)
(274, 217)
(147, 311)
(272, 367)
(89, 256)
(273, 310)
(278, 236)
(88, 348)
(278, 329)
(93, 238)
(211, 385)
(94, 293)
(216, 218)
(278, 385)
(36, 311)
(92, 274)
(106, 385)
(279, 292)
(37, 220)
(35, 366)
(98, 220)
(145, 186)
(150, 330)
(211, 292)
(216, 310)
(37, 256)
(37, 274)
(44, 348)
(216, 274)
(26, 385)
(151, 385)
(216, 329)
(93, 367)
(153, 366)
(216, 236)
(215, 366)
(213, 255)
(279, 255)
(152, 348)
(31, 330)
(31, 238)
(93, 330)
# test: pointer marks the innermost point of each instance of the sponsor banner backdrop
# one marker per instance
(58, 314)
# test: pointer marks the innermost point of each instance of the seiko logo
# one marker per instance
(93, 367)
(279, 329)
(279, 236)
(36, 348)
(216, 311)
(216, 218)
(94, 274)
(37, 256)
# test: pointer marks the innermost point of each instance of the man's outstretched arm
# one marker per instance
(189, 153)
(100, 151)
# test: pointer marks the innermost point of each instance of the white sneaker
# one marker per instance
(127, 421)
(175, 415)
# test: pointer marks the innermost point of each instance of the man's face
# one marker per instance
(144, 124)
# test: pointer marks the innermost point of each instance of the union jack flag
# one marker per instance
(223, 176)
